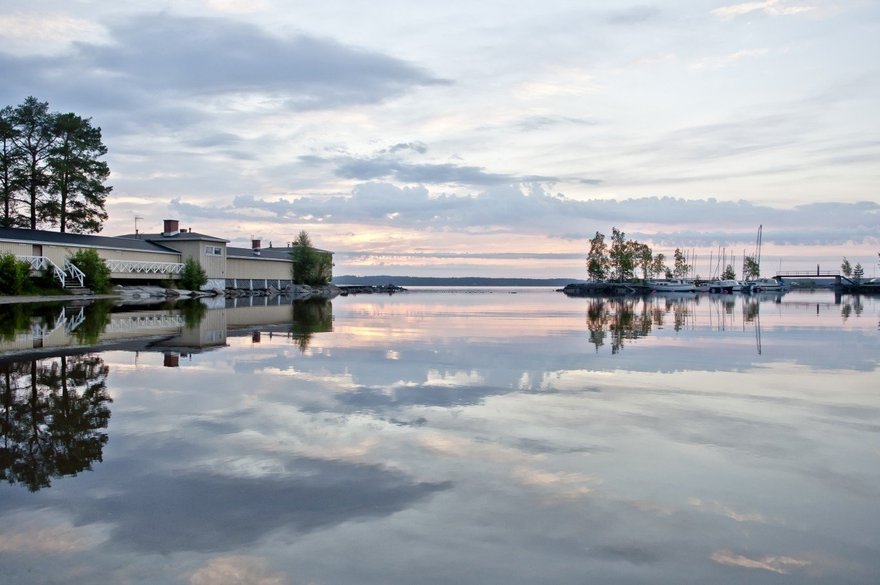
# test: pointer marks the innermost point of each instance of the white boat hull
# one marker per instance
(671, 286)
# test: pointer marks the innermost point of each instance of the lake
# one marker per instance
(443, 436)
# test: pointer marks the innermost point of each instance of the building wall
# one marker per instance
(213, 264)
(257, 267)
(15, 248)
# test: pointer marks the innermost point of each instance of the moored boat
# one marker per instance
(725, 286)
(767, 285)
(671, 286)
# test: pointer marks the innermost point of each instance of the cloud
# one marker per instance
(530, 209)
(150, 56)
(418, 147)
(236, 570)
(209, 512)
(40, 33)
(634, 15)
(646, 554)
(382, 399)
(533, 123)
(780, 565)
(769, 7)
(384, 167)
(729, 59)
(41, 533)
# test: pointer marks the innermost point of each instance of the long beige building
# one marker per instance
(154, 257)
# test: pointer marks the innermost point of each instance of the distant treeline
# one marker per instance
(442, 281)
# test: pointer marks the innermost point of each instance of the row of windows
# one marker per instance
(213, 250)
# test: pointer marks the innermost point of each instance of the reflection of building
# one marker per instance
(154, 257)
(48, 330)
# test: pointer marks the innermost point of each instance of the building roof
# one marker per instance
(83, 240)
(268, 253)
(271, 253)
(183, 236)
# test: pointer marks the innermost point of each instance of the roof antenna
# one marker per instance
(136, 218)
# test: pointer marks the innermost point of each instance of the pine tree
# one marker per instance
(77, 190)
(858, 272)
(33, 143)
(8, 161)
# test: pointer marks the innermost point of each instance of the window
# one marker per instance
(213, 251)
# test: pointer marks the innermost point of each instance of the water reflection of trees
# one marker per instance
(18, 318)
(630, 318)
(193, 311)
(310, 317)
(751, 310)
(52, 413)
(96, 317)
(852, 305)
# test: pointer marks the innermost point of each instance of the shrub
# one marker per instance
(193, 276)
(15, 275)
(97, 275)
(311, 266)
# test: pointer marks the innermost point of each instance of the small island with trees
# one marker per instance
(627, 266)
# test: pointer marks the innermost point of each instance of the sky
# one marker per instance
(476, 139)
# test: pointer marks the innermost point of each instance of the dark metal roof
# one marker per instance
(270, 253)
(82, 240)
(178, 237)
(274, 253)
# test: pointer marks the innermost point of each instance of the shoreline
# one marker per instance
(296, 292)
(25, 299)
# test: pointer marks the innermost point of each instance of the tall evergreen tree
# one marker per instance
(77, 190)
(858, 272)
(33, 144)
(8, 160)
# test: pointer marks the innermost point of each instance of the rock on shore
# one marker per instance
(299, 292)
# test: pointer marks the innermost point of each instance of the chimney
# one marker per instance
(255, 246)
(171, 227)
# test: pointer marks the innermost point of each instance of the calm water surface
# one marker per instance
(444, 437)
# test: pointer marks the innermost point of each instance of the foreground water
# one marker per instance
(444, 437)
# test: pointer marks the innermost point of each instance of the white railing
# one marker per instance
(42, 262)
(138, 267)
(69, 319)
(76, 320)
(69, 322)
(74, 272)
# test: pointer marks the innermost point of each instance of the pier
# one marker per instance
(842, 283)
